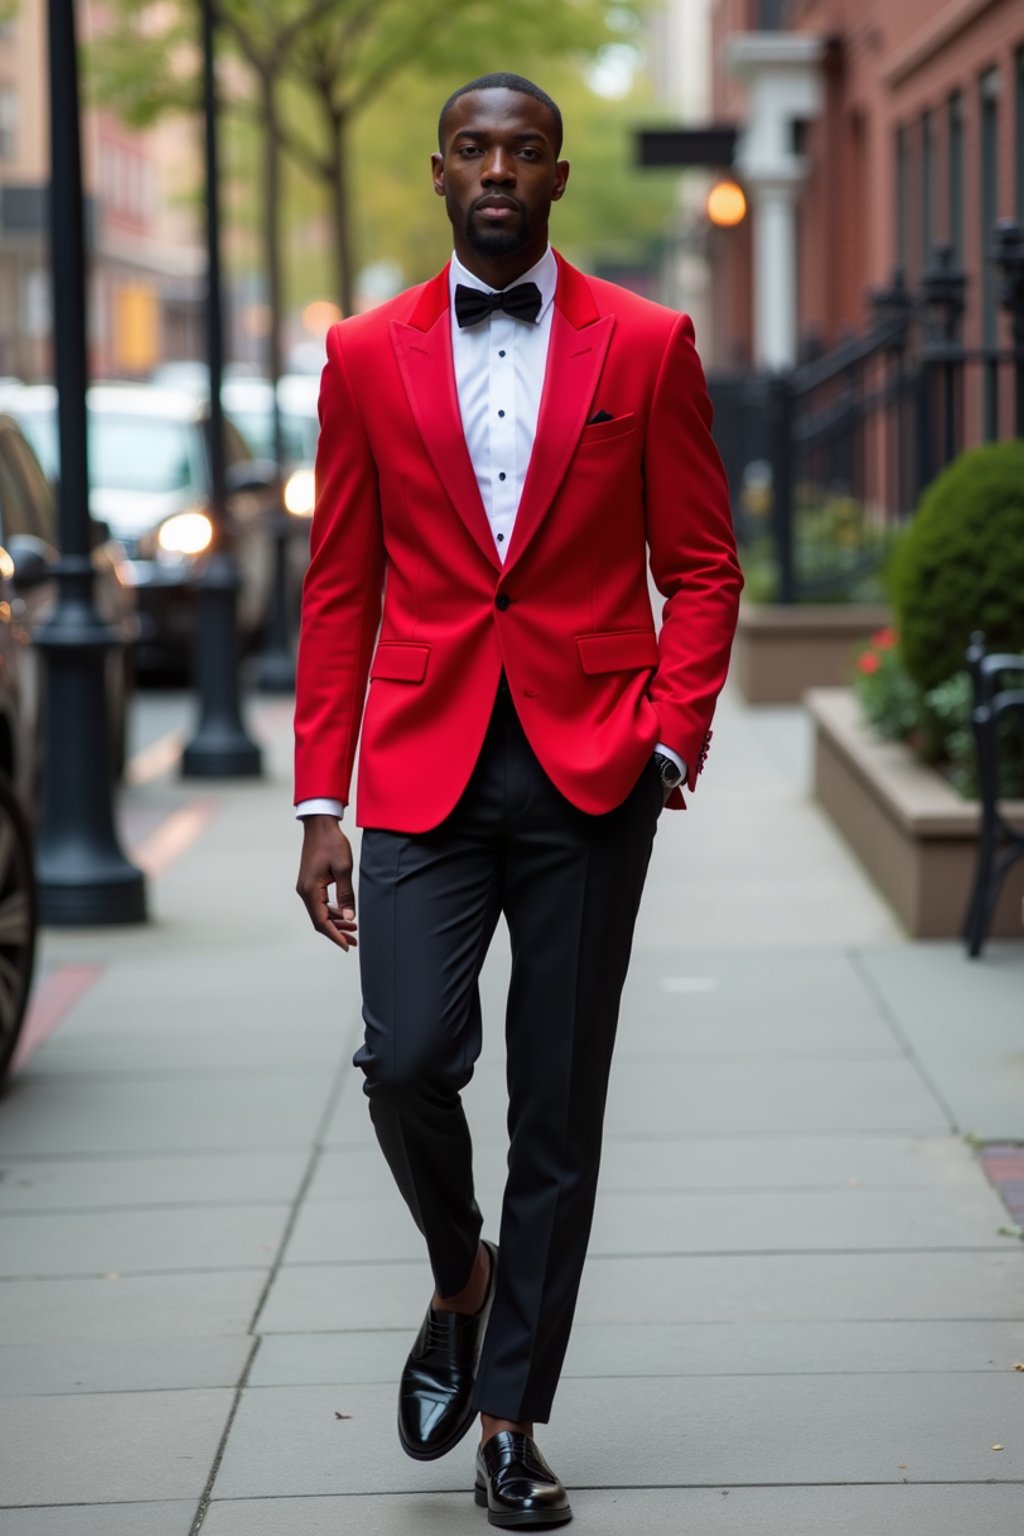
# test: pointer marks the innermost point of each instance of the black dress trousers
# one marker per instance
(569, 885)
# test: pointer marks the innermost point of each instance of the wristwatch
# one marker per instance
(671, 774)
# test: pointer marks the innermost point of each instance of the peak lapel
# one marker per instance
(576, 353)
(423, 351)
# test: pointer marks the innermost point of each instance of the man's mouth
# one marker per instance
(497, 209)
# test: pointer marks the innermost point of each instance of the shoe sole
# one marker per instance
(535, 1517)
(460, 1434)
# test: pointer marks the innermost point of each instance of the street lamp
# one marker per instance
(221, 747)
(276, 667)
(84, 877)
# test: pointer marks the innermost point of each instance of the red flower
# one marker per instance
(868, 663)
(885, 639)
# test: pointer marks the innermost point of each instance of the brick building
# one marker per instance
(870, 131)
(147, 266)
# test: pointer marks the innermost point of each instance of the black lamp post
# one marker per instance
(221, 747)
(276, 668)
(84, 877)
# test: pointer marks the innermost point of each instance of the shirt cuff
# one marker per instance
(673, 757)
(320, 808)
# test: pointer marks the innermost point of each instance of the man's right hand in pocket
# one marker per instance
(327, 860)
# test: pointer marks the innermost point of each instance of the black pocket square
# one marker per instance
(601, 416)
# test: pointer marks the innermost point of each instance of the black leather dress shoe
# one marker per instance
(434, 1399)
(515, 1484)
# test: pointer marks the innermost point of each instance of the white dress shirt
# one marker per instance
(499, 375)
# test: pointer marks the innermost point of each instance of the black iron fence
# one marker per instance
(827, 462)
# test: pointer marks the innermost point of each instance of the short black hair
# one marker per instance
(502, 82)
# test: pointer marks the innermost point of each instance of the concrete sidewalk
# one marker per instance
(799, 1316)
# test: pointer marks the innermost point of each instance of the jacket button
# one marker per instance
(502, 601)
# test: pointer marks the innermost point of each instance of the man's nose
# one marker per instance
(499, 167)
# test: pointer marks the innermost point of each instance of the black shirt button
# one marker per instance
(501, 474)
(501, 413)
(502, 601)
(501, 354)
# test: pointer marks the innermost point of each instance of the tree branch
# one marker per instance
(376, 77)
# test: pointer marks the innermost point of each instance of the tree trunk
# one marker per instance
(272, 253)
(343, 261)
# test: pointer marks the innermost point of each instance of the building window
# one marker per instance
(770, 15)
(927, 201)
(8, 122)
(902, 208)
(989, 86)
(956, 177)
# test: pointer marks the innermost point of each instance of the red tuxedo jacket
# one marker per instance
(400, 542)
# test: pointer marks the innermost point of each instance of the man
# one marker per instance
(500, 449)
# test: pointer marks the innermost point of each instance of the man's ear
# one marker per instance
(437, 172)
(561, 177)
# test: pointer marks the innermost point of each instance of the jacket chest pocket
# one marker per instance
(613, 431)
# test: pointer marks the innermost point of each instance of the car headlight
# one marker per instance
(300, 493)
(187, 533)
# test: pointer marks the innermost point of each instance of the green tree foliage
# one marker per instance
(350, 89)
(960, 566)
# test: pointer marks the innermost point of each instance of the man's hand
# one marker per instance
(327, 860)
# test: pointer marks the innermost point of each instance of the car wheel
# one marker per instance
(19, 919)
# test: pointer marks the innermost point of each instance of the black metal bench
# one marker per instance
(999, 845)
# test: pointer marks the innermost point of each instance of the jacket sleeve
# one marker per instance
(692, 551)
(342, 592)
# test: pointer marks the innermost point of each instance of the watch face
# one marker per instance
(670, 774)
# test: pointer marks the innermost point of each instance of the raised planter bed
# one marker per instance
(781, 651)
(912, 832)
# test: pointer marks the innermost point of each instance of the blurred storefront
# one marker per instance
(147, 264)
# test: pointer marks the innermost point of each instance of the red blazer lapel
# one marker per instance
(576, 353)
(423, 350)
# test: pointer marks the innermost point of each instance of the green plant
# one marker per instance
(934, 722)
(960, 565)
(889, 697)
(945, 734)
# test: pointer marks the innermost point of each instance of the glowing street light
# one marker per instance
(726, 204)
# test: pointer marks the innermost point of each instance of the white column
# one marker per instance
(783, 75)
(775, 274)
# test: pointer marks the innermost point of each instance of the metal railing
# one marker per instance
(828, 461)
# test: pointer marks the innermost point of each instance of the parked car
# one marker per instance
(19, 907)
(150, 473)
(28, 537)
(248, 400)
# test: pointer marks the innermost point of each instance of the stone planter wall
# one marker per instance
(912, 832)
(780, 651)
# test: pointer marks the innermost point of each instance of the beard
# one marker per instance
(492, 242)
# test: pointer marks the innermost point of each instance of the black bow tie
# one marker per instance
(523, 302)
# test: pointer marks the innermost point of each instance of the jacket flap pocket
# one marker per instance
(618, 650)
(400, 661)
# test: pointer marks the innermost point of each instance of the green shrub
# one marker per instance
(960, 565)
